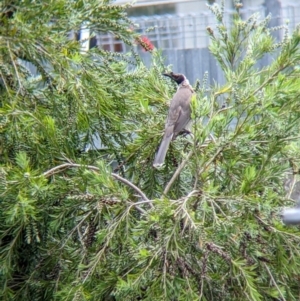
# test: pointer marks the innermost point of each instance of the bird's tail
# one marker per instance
(162, 151)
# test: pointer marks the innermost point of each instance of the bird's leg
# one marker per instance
(185, 132)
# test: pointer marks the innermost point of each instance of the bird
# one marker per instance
(178, 117)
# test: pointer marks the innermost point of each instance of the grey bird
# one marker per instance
(178, 117)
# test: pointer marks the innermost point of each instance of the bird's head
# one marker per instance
(177, 77)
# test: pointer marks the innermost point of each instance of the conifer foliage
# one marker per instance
(87, 220)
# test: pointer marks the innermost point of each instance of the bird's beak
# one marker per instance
(167, 74)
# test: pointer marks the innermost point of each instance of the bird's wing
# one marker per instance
(180, 110)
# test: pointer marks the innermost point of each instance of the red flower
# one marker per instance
(145, 43)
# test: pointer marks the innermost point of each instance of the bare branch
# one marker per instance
(177, 172)
(56, 169)
(60, 168)
(126, 182)
(274, 282)
(15, 67)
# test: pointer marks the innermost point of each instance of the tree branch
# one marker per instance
(64, 166)
(177, 172)
(128, 183)
(274, 282)
(16, 69)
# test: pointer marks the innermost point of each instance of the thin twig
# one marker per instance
(111, 232)
(286, 233)
(128, 183)
(15, 67)
(5, 84)
(280, 139)
(291, 186)
(274, 282)
(177, 172)
(56, 169)
(136, 205)
(184, 210)
(211, 159)
(183, 164)
(266, 81)
(141, 202)
(224, 109)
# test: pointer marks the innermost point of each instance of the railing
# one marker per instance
(189, 31)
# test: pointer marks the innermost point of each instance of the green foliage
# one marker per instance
(81, 222)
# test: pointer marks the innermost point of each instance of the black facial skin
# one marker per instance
(177, 77)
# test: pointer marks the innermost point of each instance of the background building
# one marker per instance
(182, 24)
(179, 28)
